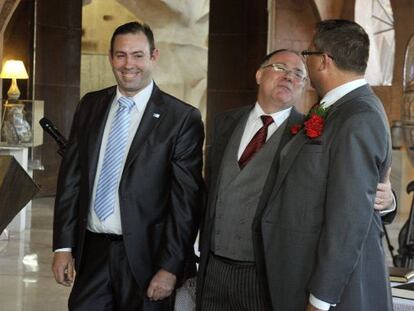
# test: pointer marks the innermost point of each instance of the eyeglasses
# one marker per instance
(297, 75)
(309, 53)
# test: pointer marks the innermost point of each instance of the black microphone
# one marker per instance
(49, 128)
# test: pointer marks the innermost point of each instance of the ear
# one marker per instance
(110, 56)
(326, 62)
(258, 76)
(155, 55)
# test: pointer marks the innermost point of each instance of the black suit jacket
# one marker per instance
(161, 187)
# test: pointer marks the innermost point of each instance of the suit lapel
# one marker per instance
(228, 125)
(100, 114)
(362, 90)
(155, 112)
(289, 153)
(294, 118)
(288, 156)
(225, 130)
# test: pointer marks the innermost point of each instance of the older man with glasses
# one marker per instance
(242, 162)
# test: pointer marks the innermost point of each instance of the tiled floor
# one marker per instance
(26, 281)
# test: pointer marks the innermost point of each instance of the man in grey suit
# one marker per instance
(234, 272)
(318, 214)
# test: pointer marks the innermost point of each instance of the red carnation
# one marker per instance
(295, 129)
(314, 126)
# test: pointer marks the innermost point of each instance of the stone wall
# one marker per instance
(180, 29)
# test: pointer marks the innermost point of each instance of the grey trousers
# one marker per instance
(231, 286)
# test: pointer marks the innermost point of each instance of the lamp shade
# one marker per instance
(14, 69)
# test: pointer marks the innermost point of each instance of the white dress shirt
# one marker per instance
(335, 94)
(254, 123)
(112, 224)
(328, 100)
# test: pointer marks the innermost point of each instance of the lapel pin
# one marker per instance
(156, 115)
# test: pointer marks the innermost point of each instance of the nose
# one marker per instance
(128, 61)
(289, 75)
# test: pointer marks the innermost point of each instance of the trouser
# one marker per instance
(105, 282)
(231, 286)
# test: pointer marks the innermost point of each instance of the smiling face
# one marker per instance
(132, 63)
(279, 90)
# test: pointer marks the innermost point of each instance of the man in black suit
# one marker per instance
(130, 187)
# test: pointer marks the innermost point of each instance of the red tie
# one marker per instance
(256, 143)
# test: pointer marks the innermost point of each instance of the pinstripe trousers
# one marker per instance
(231, 286)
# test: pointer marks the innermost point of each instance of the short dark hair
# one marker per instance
(269, 56)
(345, 41)
(134, 27)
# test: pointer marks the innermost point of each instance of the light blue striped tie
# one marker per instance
(113, 160)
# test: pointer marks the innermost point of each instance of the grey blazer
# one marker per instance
(316, 230)
(223, 128)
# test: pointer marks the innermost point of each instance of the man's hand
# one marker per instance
(161, 285)
(63, 268)
(310, 307)
(384, 196)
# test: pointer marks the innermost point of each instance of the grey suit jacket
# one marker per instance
(223, 129)
(318, 232)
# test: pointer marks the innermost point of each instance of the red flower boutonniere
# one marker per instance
(314, 122)
(295, 129)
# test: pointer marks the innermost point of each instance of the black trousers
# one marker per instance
(231, 286)
(105, 282)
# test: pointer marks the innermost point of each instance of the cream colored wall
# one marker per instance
(180, 28)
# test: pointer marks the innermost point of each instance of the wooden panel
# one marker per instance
(235, 59)
(57, 75)
(237, 16)
(237, 44)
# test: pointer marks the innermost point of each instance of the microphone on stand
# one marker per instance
(49, 128)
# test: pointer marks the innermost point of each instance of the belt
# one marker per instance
(109, 236)
(232, 261)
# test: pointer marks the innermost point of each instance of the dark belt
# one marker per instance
(232, 261)
(109, 236)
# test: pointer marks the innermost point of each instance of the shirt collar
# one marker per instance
(278, 117)
(141, 98)
(335, 94)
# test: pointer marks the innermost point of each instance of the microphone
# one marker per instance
(49, 128)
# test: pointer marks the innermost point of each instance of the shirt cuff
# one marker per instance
(392, 208)
(319, 304)
(61, 250)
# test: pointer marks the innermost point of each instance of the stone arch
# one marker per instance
(7, 8)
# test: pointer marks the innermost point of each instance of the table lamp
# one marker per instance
(14, 69)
